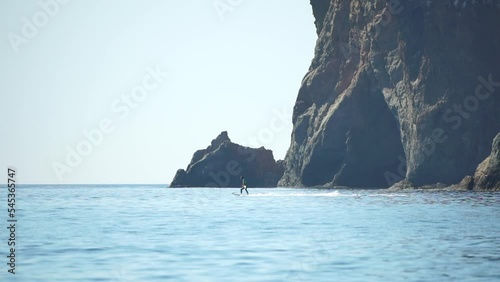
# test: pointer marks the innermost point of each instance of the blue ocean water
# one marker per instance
(152, 233)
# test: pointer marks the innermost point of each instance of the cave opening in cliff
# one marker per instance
(360, 145)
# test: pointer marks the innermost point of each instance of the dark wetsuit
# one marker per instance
(243, 186)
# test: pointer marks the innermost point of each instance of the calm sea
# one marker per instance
(152, 233)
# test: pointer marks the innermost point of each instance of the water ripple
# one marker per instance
(149, 233)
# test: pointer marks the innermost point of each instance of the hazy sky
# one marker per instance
(133, 88)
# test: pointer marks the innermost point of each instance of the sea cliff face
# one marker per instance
(223, 162)
(397, 91)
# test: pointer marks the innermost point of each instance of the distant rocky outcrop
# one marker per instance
(398, 91)
(222, 163)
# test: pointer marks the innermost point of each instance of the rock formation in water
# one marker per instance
(222, 163)
(487, 176)
(397, 91)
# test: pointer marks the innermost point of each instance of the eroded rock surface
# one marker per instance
(397, 90)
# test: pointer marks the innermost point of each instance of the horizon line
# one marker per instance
(19, 184)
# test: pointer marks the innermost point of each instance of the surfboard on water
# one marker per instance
(238, 194)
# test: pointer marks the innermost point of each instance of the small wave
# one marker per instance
(329, 194)
(389, 195)
(323, 194)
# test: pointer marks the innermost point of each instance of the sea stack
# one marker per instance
(223, 162)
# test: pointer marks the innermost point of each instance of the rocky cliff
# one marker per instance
(487, 176)
(223, 162)
(397, 90)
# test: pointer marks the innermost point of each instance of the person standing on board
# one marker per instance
(243, 185)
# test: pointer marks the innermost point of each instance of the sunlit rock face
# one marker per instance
(487, 176)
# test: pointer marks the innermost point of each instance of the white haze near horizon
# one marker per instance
(240, 72)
